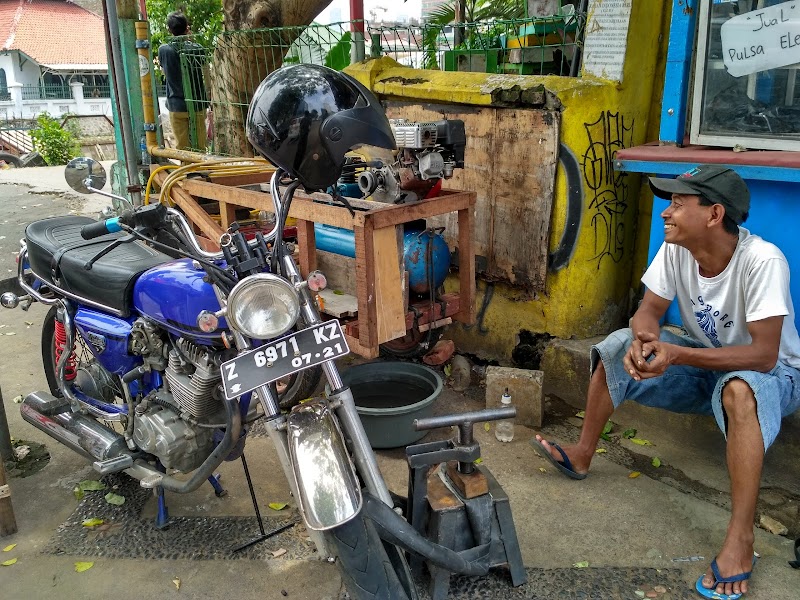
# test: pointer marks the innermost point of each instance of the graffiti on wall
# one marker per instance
(560, 257)
(607, 189)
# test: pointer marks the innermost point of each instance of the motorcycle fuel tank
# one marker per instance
(173, 294)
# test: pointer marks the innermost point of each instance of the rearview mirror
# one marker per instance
(85, 175)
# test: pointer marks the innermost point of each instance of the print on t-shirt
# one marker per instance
(706, 319)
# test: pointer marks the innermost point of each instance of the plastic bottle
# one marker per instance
(145, 153)
(504, 430)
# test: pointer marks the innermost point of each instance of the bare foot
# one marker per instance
(577, 456)
(733, 559)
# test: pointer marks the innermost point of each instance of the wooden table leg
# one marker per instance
(466, 267)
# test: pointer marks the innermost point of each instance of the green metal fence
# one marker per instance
(46, 91)
(237, 61)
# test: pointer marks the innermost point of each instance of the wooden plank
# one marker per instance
(388, 284)
(466, 267)
(395, 214)
(231, 195)
(358, 348)
(193, 211)
(307, 247)
(227, 214)
(365, 285)
(246, 179)
(339, 305)
(340, 271)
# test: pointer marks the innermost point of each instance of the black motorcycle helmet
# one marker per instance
(304, 118)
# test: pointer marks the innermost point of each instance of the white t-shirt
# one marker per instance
(715, 310)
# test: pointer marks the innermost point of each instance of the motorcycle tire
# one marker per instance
(366, 569)
(12, 161)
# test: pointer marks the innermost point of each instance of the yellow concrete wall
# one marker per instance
(589, 292)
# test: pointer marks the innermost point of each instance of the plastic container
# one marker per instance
(504, 430)
(389, 396)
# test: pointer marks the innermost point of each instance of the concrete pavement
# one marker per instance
(658, 529)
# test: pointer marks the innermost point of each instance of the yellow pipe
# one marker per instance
(143, 35)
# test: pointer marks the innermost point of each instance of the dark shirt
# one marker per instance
(194, 56)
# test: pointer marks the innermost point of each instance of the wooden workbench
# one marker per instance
(383, 313)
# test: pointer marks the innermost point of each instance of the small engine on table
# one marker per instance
(426, 154)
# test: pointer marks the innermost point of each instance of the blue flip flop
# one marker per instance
(564, 466)
(711, 592)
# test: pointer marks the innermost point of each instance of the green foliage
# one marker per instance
(479, 10)
(205, 20)
(55, 143)
(339, 56)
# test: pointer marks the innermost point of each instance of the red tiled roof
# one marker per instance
(52, 32)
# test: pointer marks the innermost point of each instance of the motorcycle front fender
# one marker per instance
(329, 491)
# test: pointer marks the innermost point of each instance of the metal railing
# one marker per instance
(46, 91)
(239, 60)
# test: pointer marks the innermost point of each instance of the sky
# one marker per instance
(395, 9)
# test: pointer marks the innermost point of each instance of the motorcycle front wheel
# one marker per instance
(364, 563)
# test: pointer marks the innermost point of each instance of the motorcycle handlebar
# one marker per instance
(99, 228)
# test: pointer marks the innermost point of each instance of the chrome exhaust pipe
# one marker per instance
(77, 432)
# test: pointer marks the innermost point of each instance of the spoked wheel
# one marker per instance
(89, 375)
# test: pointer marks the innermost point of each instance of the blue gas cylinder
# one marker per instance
(426, 257)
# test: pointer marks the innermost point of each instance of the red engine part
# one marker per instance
(60, 341)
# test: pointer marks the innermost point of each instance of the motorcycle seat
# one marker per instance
(59, 256)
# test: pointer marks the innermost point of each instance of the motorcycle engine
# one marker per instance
(426, 154)
(168, 421)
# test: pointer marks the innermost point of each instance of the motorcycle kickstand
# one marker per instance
(263, 534)
(219, 491)
(162, 517)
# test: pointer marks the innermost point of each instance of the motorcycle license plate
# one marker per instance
(282, 357)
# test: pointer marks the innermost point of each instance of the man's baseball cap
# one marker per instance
(716, 183)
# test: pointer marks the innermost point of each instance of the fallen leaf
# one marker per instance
(478, 461)
(277, 505)
(91, 485)
(92, 522)
(487, 427)
(18, 399)
(634, 475)
(600, 451)
(580, 414)
(9, 548)
(338, 292)
(656, 462)
(78, 493)
(543, 470)
(115, 499)
(278, 552)
(80, 567)
(28, 323)
(605, 436)
(177, 583)
(639, 593)
(608, 427)
(581, 565)
(447, 370)
(641, 442)
(8, 563)
(629, 433)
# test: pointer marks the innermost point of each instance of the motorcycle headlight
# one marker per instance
(263, 306)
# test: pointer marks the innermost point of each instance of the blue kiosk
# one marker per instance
(744, 109)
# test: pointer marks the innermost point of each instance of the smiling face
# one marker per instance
(685, 220)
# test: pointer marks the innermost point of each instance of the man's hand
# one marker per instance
(663, 355)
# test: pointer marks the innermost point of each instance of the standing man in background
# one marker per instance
(169, 55)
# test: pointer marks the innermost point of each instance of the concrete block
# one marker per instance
(525, 387)
(566, 367)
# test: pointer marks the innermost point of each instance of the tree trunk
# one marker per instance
(243, 57)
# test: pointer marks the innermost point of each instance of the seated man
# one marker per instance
(739, 361)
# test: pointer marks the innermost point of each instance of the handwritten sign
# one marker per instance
(762, 39)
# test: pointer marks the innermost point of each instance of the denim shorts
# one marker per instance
(687, 389)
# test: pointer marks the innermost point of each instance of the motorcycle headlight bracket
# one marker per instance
(263, 306)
